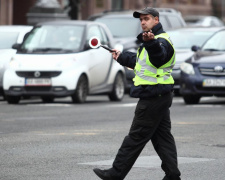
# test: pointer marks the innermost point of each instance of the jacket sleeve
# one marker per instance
(159, 50)
(127, 59)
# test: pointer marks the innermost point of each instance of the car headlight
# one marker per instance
(187, 68)
(13, 63)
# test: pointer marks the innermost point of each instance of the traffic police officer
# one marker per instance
(153, 85)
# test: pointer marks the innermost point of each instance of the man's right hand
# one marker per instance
(115, 54)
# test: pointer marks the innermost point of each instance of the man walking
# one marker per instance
(153, 85)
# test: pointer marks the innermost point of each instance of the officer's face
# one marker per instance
(148, 21)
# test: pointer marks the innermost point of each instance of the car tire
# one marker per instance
(47, 99)
(191, 99)
(81, 92)
(118, 88)
(13, 99)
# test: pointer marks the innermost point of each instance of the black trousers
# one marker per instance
(151, 122)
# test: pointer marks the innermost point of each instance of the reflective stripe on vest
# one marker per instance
(147, 73)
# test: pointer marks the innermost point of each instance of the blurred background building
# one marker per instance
(22, 12)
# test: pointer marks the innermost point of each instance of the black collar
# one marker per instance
(158, 29)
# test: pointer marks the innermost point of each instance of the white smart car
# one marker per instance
(55, 60)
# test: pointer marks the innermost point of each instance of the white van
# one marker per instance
(9, 35)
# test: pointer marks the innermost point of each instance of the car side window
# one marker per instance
(94, 30)
(105, 39)
(175, 22)
(164, 22)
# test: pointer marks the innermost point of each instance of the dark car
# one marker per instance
(125, 28)
(204, 73)
(183, 39)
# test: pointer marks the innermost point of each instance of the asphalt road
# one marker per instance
(65, 141)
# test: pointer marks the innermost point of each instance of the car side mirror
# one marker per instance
(16, 46)
(87, 46)
(195, 48)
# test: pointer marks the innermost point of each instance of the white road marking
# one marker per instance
(205, 105)
(124, 105)
(51, 104)
(36, 118)
(149, 161)
(68, 134)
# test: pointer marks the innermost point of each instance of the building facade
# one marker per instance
(15, 11)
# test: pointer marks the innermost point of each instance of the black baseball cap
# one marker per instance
(147, 10)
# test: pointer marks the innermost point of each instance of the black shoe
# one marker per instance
(103, 174)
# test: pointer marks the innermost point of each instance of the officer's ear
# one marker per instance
(157, 18)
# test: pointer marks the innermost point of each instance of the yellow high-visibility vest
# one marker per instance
(147, 74)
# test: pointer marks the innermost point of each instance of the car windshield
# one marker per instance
(215, 43)
(54, 38)
(121, 27)
(186, 39)
(8, 39)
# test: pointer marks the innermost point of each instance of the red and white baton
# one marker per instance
(94, 42)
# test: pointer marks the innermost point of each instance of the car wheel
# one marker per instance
(47, 99)
(81, 91)
(13, 99)
(191, 99)
(118, 88)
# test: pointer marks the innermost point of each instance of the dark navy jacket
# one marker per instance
(160, 52)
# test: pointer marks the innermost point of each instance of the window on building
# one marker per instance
(170, 1)
(99, 3)
(117, 4)
(194, 2)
